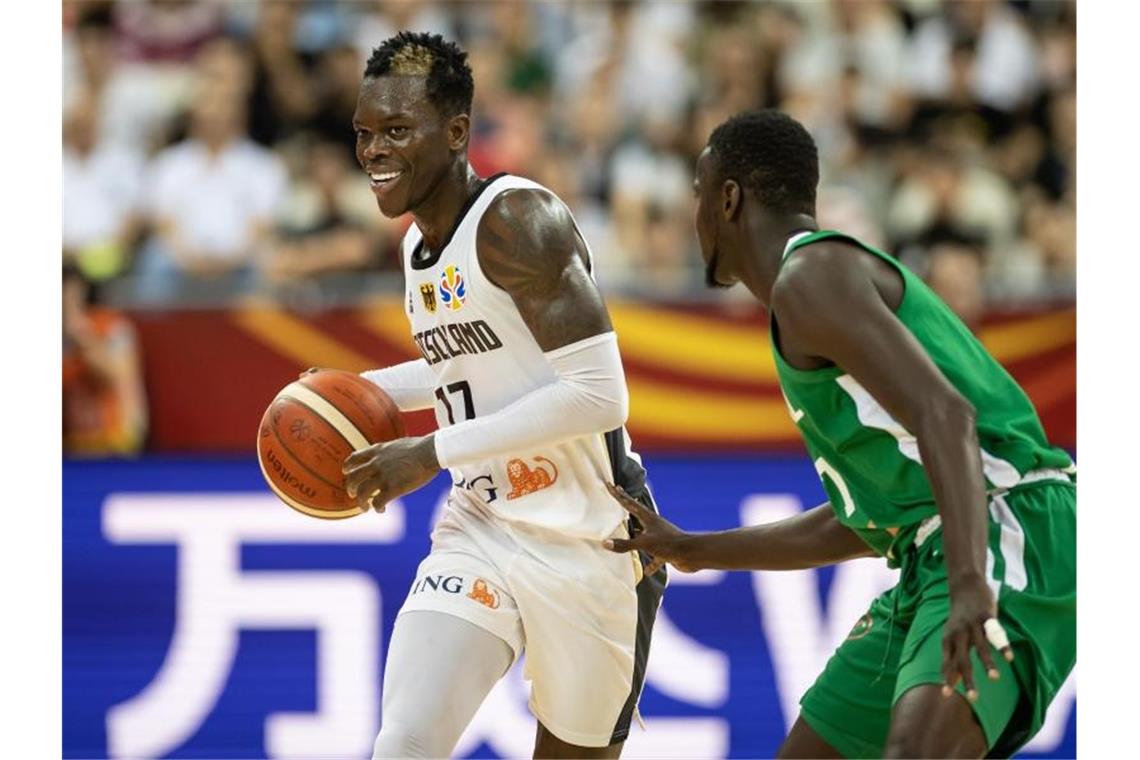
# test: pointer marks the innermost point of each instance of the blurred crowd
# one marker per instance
(208, 147)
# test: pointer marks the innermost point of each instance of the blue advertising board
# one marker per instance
(202, 618)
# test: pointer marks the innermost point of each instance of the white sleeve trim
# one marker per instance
(588, 396)
(411, 384)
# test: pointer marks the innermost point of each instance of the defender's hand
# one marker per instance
(972, 624)
(378, 474)
(658, 537)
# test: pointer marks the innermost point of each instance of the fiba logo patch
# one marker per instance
(862, 627)
(452, 288)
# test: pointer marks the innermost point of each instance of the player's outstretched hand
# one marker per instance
(972, 624)
(385, 471)
(657, 537)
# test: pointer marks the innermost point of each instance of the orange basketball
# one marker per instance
(308, 431)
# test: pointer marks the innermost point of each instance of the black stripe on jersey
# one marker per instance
(429, 262)
(626, 471)
(649, 593)
(631, 477)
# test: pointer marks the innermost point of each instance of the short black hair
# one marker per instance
(771, 154)
(450, 86)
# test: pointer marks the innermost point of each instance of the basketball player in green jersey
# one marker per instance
(931, 457)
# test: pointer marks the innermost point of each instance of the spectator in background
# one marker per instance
(213, 198)
(328, 226)
(928, 115)
(134, 59)
(89, 57)
(282, 97)
(976, 54)
(944, 189)
(872, 48)
(643, 45)
(166, 31)
(651, 188)
(380, 19)
(104, 403)
(954, 271)
(1063, 147)
(126, 113)
(1051, 230)
(337, 83)
(102, 186)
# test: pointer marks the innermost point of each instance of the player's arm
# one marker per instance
(810, 539)
(411, 385)
(528, 246)
(830, 304)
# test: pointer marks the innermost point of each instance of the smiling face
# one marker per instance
(402, 141)
(713, 204)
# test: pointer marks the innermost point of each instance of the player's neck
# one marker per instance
(437, 215)
(770, 234)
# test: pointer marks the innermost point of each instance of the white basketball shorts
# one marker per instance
(582, 614)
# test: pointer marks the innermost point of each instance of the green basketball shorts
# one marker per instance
(897, 644)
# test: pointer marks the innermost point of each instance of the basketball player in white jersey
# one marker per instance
(520, 364)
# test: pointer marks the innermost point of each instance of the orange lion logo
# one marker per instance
(524, 480)
(485, 596)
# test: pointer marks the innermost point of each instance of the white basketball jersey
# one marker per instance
(484, 357)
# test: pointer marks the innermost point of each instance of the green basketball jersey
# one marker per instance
(868, 462)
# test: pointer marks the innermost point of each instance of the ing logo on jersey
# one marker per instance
(452, 288)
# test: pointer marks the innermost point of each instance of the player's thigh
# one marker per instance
(439, 670)
(457, 633)
(923, 721)
(803, 742)
(848, 707)
(588, 616)
(431, 654)
(547, 745)
(927, 724)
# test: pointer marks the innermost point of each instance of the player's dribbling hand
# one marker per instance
(658, 537)
(380, 473)
(972, 624)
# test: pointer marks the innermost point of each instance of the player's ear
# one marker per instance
(731, 198)
(458, 132)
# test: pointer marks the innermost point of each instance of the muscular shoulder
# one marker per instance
(523, 233)
(832, 277)
(526, 216)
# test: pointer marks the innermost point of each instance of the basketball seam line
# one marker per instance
(298, 392)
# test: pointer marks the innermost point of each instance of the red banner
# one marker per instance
(699, 378)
